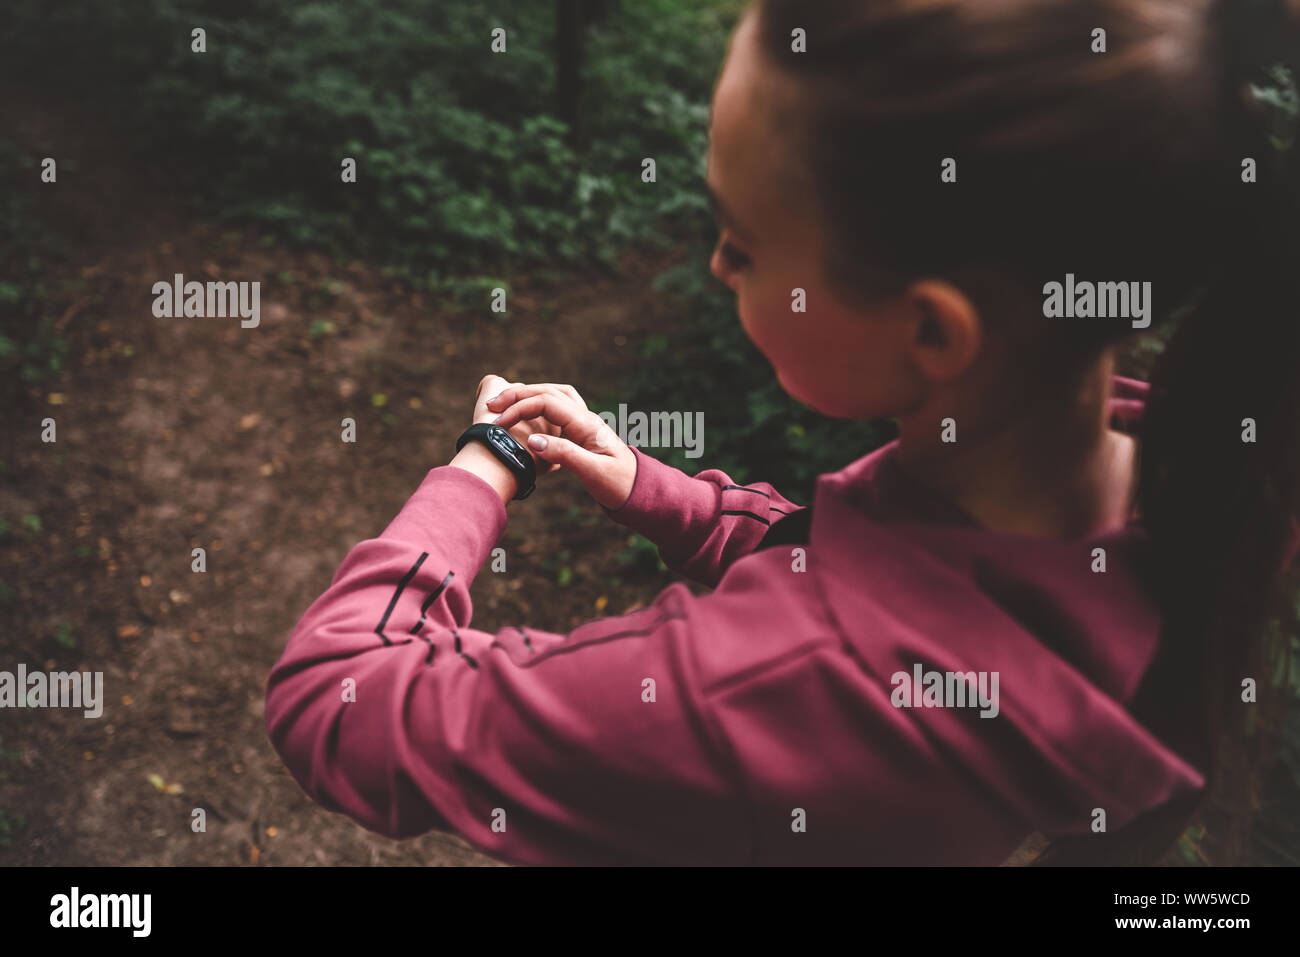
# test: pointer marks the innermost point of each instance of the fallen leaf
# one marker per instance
(56, 398)
(128, 631)
(601, 602)
(157, 782)
(249, 421)
(145, 581)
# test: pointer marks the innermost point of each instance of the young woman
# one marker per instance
(1032, 614)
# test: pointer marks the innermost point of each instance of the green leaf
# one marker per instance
(63, 635)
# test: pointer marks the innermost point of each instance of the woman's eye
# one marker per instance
(733, 257)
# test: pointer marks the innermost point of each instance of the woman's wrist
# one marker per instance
(477, 458)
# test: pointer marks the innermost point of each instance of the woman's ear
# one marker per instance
(946, 330)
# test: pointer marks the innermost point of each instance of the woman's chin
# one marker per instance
(820, 405)
(794, 392)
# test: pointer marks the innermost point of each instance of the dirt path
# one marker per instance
(183, 433)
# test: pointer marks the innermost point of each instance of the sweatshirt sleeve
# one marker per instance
(701, 524)
(594, 747)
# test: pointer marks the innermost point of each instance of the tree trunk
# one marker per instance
(570, 34)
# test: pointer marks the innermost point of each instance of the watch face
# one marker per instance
(506, 443)
(503, 444)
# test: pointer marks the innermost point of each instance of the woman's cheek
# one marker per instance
(761, 320)
(783, 336)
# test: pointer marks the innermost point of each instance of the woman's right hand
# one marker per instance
(586, 446)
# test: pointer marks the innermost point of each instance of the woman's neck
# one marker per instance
(1024, 461)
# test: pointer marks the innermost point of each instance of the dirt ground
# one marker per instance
(179, 433)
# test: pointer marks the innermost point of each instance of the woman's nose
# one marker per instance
(717, 265)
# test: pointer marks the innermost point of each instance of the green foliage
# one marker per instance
(31, 350)
(1281, 104)
(63, 636)
(10, 825)
(1189, 846)
(462, 165)
(639, 555)
(37, 353)
(6, 754)
(319, 328)
(559, 564)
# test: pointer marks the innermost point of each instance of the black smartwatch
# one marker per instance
(503, 445)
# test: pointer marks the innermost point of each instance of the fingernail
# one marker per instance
(537, 441)
(497, 416)
(497, 396)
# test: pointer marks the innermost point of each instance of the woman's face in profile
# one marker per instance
(843, 361)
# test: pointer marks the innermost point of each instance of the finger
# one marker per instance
(554, 407)
(512, 392)
(517, 391)
(577, 423)
(484, 414)
(489, 385)
(568, 390)
(587, 466)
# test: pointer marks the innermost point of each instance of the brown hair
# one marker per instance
(1117, 165)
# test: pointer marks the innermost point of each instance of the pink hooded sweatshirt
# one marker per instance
(775, 720)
